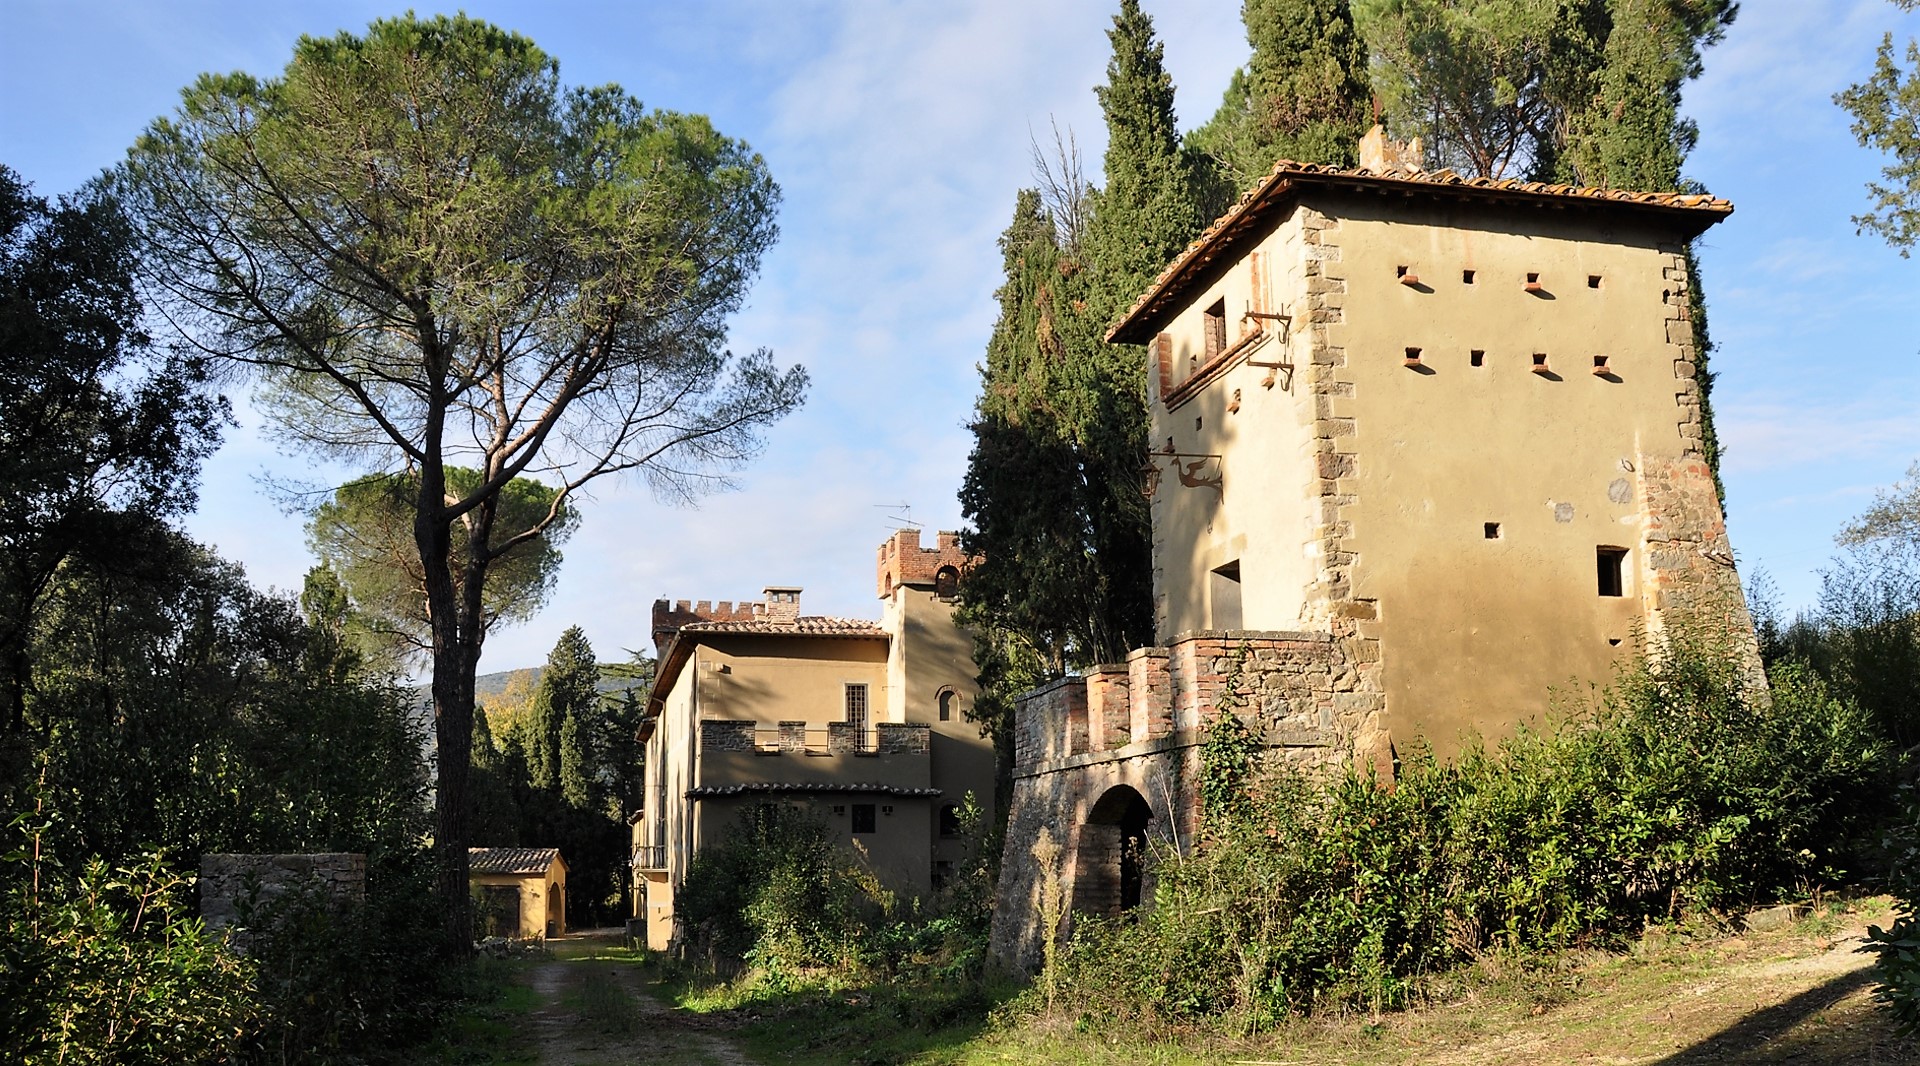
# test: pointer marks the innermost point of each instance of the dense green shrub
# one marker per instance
(1681, 791)
(108, 965)
(1898, 948)
(346, 982)
(781, 893)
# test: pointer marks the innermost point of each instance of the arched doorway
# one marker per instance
(1110, 862)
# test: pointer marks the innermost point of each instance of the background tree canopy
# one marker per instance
(364, 533)
(433, 256)
(1886, 115)
(97, 429)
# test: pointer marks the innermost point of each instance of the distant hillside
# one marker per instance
(614, 677)
(492, 685)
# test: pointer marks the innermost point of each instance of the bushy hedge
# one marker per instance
(1682, 791)
(109, 965)
(106, 963)
(1898, 947)
(779, 892)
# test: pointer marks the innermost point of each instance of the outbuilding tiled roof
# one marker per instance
(1688, 213)
(804, 626)
(511, 860)
(808, 786)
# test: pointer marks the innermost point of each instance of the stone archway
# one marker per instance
(1110, 859)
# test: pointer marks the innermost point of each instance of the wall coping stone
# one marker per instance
(1174, 741)
(1250, 634)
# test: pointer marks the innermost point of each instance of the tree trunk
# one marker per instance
(459, 623)
(455, 657)
(453, 671)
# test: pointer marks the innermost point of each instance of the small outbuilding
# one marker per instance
(518, 892)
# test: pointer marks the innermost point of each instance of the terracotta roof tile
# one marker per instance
(511, 860)
(804, 626)
(749, 787)
(1287, 175)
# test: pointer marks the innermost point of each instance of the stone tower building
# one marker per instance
(1423, 449)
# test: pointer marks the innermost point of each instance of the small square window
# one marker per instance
(1611, 566)
(1593, 281)
(863, 818)
(1466, 277)
(1492, 530)
(1477, 357)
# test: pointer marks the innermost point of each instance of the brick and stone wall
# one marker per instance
(904, 738)
(902, 561)
(725, 734)
(1138, 726)
(228, 880)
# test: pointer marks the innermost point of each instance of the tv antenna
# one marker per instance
(901, 520)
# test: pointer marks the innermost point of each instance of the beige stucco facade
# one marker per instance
(535, 878)
(1430, 418)
(862, 723)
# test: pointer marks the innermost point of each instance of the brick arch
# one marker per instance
(1111, 853)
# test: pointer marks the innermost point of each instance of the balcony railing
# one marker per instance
(649, 857)
(802, 738)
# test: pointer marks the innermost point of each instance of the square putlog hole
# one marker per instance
(1492, 530)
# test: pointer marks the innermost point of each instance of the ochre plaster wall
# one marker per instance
(930, 653)
(1357, 490)
(776, 679)
(539, 902)
(1258, 419)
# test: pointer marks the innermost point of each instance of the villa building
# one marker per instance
(861, 722)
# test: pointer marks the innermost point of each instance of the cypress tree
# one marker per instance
(1020, 493)
(568, 688)
(1145, 213)
(577, 785)
(540, 741)
(1303, 96)
(1053, 484)
(1631, 134)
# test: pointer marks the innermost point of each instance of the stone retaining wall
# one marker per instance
(228, 880)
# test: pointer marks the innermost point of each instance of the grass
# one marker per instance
(487, 1025)
(1679, 996)
(819, 1019)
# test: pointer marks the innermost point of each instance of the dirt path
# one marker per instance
(1803, 998)
(600, 1014)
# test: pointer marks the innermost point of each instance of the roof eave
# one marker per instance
(674, 660)
(1159, 302)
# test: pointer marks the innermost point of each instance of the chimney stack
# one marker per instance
(782, 604)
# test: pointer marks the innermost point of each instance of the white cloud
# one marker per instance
(1789, 432)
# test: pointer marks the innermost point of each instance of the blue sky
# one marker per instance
(900, 133)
